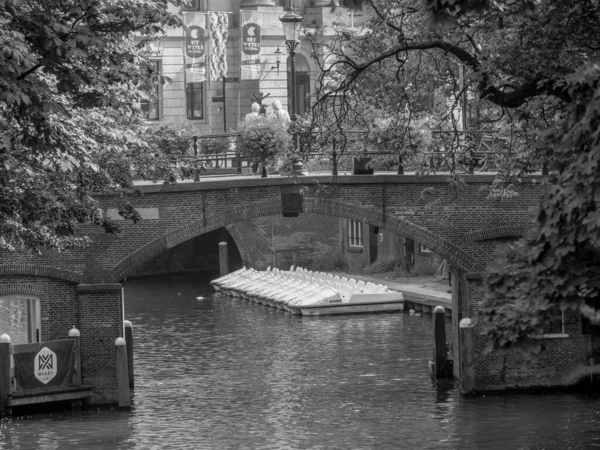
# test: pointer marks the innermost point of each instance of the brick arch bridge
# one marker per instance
(455, 255)
(461, 225)
(82, 287)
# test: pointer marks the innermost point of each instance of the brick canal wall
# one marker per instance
(81, 287)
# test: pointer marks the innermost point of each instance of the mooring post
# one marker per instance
(223, 258)
(122, 375)
(467, 366)
(129, 346)
(439, 331)
(74, 334)
(5, 347)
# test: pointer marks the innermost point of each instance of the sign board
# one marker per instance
(145, 213)
(218, 99)
(45, 365)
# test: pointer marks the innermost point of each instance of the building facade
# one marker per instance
(218, 103)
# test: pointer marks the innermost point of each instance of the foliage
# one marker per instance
(530, 73)
(555, 266)
(383, 265)
(263, 139)
(400, 70)
(213, 146)
(172, 139)
(71, 77)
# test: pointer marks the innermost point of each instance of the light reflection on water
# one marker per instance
(222, 373)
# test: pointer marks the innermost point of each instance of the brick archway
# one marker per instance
(271, 207)
(41, 271)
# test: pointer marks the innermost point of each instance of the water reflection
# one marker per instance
(222, 373)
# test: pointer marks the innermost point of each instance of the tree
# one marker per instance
(533, 67)
(263, 139)
(71, 77)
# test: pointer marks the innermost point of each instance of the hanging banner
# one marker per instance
(219, 23)
(251, 32)
(44, 365)
(194, 53)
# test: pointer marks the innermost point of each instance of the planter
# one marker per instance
(360, 166)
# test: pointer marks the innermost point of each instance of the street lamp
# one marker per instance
(292, 23)
(278, 54)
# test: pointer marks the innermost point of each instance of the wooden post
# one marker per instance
(5, 347)
(122, 375)
(439, 331)
(129, 346)
(74, 334)
(223, 258)
(467, 360)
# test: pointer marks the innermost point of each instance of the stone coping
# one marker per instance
(241, 181)
(105, 287)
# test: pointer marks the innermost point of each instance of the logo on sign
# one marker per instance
(194, 41)
(251, 39)
(45, 365)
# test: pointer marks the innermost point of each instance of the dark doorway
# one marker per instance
(302, 85)
(373, 237)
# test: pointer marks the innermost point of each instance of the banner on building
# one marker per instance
(219, 24)
(194, 52)
(44, 365)
(251, 34)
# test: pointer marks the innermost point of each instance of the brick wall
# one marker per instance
(101, 323)
(97, 316)
(561, 364)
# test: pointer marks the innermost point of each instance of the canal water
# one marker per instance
(213, 372)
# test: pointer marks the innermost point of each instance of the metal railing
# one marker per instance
(462, 151)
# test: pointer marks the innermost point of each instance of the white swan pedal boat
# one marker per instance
(301, 291)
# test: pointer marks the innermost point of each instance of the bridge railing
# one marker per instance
(469, 151)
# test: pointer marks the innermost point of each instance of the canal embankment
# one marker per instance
(420, 293)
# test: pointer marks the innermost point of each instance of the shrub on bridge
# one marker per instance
(170, 139)
(263, 140)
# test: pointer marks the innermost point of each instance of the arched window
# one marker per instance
(20, 318)
(302, 85)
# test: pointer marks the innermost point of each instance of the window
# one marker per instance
(556, 323)
(587, 326)
(195, 5)
(20, 318)
(151, 107)
(194, 101)
(298, 5)
(355, 238)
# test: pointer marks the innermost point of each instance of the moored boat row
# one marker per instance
(305, 292)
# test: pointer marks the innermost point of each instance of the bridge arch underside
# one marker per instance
(455, 255)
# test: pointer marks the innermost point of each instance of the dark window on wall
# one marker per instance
(409, 250)
(587, 326)
(195, 5)
(555, 325)
(151, 107)
(355, 236)
(298, 5)
(194, 101)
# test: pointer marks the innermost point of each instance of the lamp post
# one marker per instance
(292, 23)
(278, 54)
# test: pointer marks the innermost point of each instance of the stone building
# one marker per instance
(217, 104)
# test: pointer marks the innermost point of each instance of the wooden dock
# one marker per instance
(415, 297)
